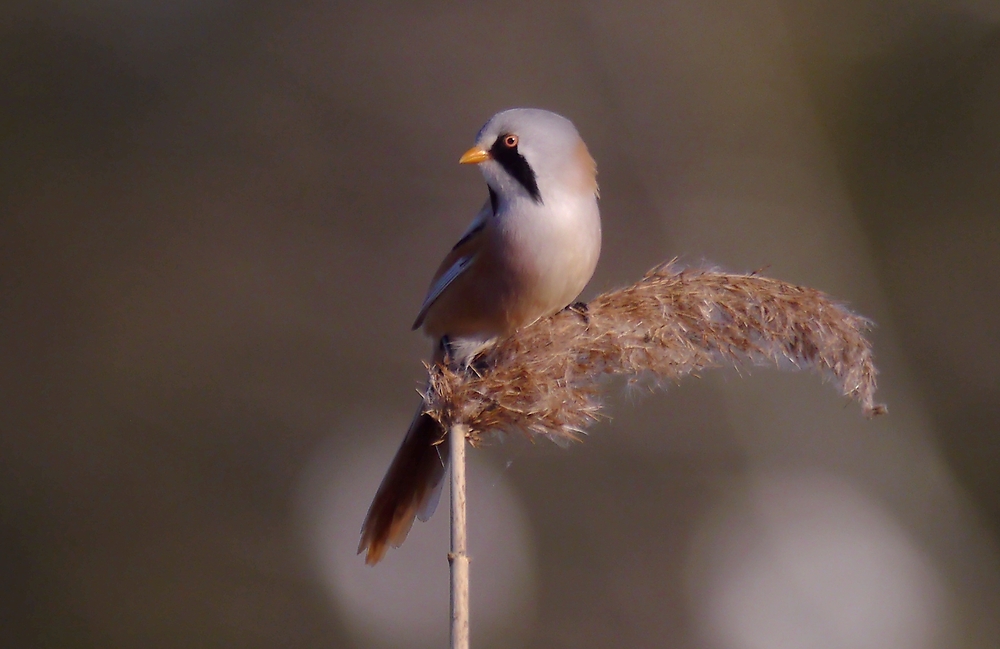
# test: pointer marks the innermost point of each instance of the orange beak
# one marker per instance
(474, 156)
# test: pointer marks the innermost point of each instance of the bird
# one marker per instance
(528, 253)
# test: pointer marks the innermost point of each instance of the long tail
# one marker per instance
(410, 488)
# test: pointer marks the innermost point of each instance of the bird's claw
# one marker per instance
(581, 309)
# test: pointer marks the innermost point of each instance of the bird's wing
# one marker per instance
(457, 261)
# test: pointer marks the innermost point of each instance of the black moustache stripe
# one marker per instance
(515, 165)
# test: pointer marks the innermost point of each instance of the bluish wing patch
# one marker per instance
(440, 285)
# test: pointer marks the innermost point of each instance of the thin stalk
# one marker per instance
(458, 557)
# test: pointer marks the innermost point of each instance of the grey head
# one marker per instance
(530, 153)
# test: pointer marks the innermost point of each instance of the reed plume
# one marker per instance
(544, 380)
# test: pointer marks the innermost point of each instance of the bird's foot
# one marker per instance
(581, 309)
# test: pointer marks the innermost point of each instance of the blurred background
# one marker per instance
(218, 219)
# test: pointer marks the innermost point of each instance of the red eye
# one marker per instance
(510, 141)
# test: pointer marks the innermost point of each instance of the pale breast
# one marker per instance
(534, 259)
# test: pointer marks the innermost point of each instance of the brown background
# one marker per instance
(217, 220)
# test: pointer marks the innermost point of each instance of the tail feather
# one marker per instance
(410, 488)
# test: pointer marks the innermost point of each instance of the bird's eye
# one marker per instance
(510, 141)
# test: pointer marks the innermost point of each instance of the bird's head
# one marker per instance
(532, 153)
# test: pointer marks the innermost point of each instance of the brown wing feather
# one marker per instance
(467, 248)
(411, 480)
